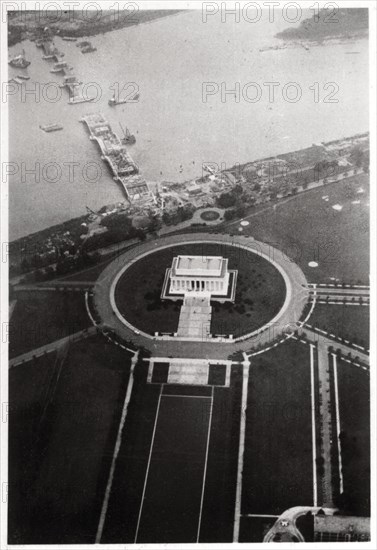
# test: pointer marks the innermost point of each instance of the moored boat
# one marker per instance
(51, 127)
(19, 61)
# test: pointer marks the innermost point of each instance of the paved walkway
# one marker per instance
(326, 422)
(345, 350)
(52, 346)
(54, 285)
(12, 305)
(348, 294)
(345, 292)
(195, 317)
(188, 373)
(241, 451)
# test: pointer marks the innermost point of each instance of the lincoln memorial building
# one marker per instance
(205, 275)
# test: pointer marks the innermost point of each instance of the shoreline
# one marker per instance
(76, 242)
(232, 169)
(30, 29)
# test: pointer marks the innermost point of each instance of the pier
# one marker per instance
(114, 152)
(70, 81)
(50, 51)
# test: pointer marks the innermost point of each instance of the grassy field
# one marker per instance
(42, 317)
(278, 451)
(175, 516)
(337, 240)
(171, 508)
(220, 488)
(27, 397)
(349, 322)
(63, 423)
(124, 503)
(90, 273)
(354, 409)
(260, 291)
(254, 529)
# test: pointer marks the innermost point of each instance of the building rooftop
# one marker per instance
(199, 265)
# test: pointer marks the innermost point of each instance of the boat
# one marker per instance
(128, 138)
(83, 43)
(23, 77)
(208, 169)
(88, 49)
(70, 80)
(16, 79)
(69, 38)
(59, 67)
(79, 99)
(114, 101)
(19, 61)
(51, 127)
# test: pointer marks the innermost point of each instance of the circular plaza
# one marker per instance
(266, 297)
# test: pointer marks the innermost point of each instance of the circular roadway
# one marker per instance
(286, 319)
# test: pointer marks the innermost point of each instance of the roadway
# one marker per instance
(286, 319)
(285, 525)
(345, 350)
(52, 346)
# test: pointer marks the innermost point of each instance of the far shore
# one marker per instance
(25, 25)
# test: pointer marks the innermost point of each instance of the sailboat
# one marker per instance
(19, 61)
(116, 101)
(128, 139)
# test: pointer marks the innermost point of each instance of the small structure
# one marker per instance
(200, 275)
(341, 528)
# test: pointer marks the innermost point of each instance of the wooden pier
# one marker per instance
(114, 152)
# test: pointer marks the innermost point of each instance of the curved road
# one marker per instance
(287, 318)
(286, 523)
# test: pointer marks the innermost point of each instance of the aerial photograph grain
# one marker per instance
(188, 271)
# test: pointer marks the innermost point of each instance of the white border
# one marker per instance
(4, 276)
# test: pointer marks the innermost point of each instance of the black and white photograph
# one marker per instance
(188, 274)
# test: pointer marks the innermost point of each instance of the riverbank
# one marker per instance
(24, 25)
(330, 24)
(79, 259)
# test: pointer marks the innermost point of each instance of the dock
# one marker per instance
(114, 152)
(70, 81)
(50, 51)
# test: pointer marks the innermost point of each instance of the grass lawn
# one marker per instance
(278, 450)
(221, 478)
(260, 291)
(28, 385)
(254, 529)
(308, 228)
(71, 421)
(220, 487)
(209, 215)
(42, 317)
(354, 405)
(88, 274)
(125, 499)
(171, 505)
(349, 322)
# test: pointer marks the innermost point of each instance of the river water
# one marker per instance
(169, 60)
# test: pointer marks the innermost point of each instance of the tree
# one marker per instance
(226, 200)
(49, 272)
(230, 214)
